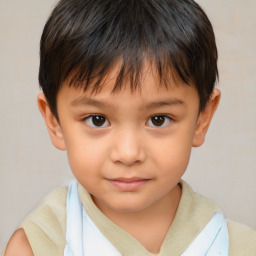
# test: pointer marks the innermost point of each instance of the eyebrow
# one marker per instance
(150, 105)
(162, 103)
(90, 102)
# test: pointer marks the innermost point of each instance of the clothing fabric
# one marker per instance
(213, 239)
(83, 237)
(45, 227)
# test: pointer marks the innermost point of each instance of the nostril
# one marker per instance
(128, 156)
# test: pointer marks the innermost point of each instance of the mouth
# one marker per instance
(128, 184)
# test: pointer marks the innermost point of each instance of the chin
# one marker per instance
(129, 206)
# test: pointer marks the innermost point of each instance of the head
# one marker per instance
(128, 89)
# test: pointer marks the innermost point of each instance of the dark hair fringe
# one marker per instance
(84, 39)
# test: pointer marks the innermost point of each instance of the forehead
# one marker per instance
(149, 91)
(117, 80)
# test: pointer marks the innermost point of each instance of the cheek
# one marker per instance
(176, 162)
(173, 154)
(173, 168)
(85, 167)
(86, 157)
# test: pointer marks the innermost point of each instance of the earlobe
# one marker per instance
(205, 118)
(51, 122)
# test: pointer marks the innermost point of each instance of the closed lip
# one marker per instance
(128, 184)
(128, 180)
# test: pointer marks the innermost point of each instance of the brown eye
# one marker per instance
(159, 121)
(97, 121)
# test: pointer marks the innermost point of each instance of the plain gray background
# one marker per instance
(30, 167)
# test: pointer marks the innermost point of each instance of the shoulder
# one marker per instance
(51, 211)
(242, 239)
(19, 245)
(198, 204)
(45, 227)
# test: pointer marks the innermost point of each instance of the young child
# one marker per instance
(128, 90)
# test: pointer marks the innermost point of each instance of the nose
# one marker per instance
(128, 148)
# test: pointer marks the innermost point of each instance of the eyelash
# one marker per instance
(103, 122)
(160, 117)
(89, 121)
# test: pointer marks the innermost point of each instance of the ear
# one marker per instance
(205, 117)
(51, 122)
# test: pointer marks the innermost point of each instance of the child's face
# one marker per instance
(129, 151)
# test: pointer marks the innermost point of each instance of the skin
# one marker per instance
(129, 150)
